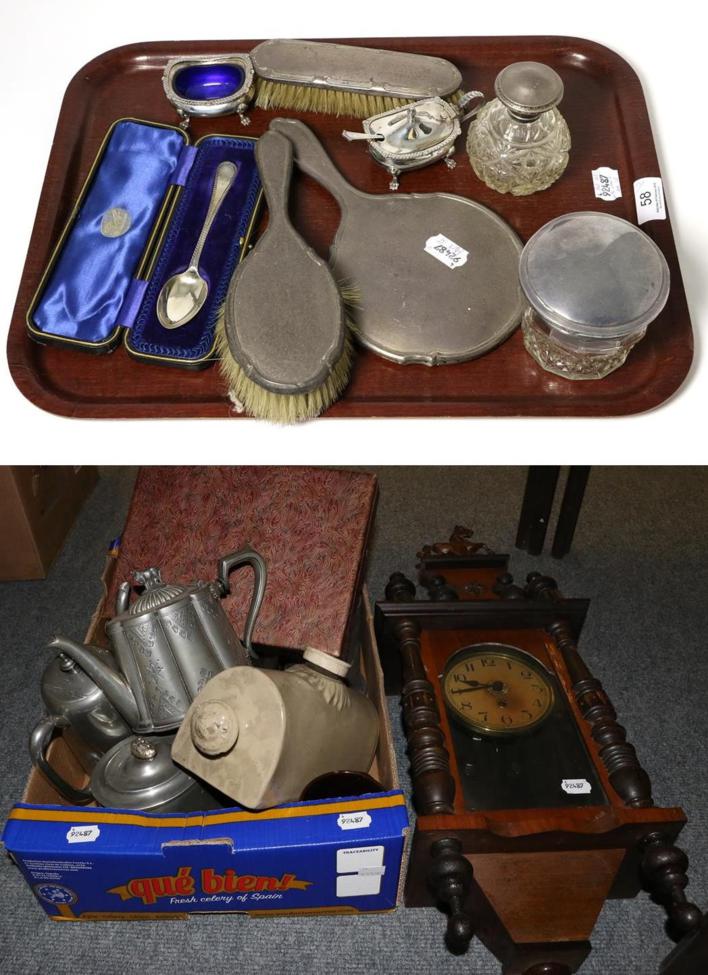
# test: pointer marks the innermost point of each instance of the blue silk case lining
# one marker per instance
(89, 281)
(91, 291)
(195, 340)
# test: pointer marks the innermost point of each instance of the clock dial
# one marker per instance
(493, 689)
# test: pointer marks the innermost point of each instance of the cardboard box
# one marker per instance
(89, 863)
(38, 506)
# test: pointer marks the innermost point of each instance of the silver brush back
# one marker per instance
(360, 70)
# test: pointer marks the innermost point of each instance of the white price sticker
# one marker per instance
(576, 787)
(83, 834)
(607, 183)
(649, 199)
(446, 251)
(358, 820)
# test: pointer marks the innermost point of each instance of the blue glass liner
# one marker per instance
(85, 291)
(194, 340)
(207, 82)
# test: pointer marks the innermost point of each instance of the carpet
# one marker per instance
(640, 553)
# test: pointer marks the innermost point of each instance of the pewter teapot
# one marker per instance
(89, 722)
(168, 643)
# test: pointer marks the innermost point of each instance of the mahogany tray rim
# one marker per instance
(32, 366)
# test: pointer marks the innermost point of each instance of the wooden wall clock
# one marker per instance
(532, 807)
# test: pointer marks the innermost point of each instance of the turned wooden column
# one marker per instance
(433, 785)
(450, 879)
(664, 868)
(627, 777)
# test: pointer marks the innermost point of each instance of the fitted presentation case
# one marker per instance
(332, 856)
(135, 224)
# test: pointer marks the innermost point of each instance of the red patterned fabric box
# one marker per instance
(310, 525)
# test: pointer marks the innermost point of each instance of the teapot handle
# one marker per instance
(42, 734)
(245, 556)
(122, 598)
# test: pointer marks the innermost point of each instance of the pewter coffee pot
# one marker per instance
(169, 643)
(90, 723)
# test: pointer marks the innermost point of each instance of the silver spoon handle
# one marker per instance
(362, 136)
(223, 179)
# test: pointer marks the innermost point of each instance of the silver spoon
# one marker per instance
(183, 294)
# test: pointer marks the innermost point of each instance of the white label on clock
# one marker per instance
(576, 787)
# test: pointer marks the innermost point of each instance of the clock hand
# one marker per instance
(475, 685)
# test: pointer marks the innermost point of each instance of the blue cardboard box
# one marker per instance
(88, 864)
(92, 863)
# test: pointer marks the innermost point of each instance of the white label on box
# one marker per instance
(358, 885)
(357, 820)
(578, 787)
(446, 251)
(358, 858)
(607, 183)
(360, 870)
(83, 834)
(649, 199)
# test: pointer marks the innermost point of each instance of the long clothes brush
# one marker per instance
(283, 338)
(437, 275)
(345, 79)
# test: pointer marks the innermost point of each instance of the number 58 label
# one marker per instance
(649, 199)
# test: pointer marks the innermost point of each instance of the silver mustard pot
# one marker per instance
(77, 706)
(169, 642)
(415, 135)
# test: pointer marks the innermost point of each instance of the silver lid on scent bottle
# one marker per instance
(528, 88)
(595, 275)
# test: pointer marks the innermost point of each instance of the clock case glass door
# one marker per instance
(547, 766)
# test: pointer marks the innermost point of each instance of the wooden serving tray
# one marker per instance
(605, 109)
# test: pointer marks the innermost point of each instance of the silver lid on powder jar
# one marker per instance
(594, 275)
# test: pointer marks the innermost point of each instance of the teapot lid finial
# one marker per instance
(150, 578)
(157, 593)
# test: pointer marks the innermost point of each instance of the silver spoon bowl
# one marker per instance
(183, 295)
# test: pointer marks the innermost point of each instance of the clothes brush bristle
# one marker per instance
(323, 101)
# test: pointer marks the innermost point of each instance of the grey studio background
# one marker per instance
(640, 554)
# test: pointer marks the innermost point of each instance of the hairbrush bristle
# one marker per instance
(281, 407)
(323, 101)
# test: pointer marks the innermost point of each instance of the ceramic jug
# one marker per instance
(90, 723)
(168, 643)
(259, 736)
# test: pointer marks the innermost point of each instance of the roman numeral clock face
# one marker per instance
(493, 689)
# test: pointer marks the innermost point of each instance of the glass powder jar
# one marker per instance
(594, 283)
(519, 142)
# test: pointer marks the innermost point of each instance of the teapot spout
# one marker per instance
(112, 685)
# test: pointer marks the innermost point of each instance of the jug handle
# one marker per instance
(42, 734)
(245, 556)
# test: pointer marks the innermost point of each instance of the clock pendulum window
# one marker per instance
(532, 806)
